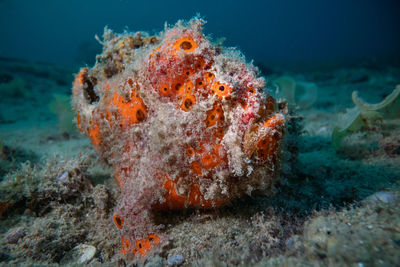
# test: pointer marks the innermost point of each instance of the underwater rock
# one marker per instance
(365, 116)
(385, 197)
(15, 234)
(184, 123)
(293, 242)
(175, 260)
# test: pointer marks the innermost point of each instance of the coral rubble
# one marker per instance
(184, 123)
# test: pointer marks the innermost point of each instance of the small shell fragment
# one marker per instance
(79, 255)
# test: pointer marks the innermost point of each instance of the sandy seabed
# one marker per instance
(330, 207)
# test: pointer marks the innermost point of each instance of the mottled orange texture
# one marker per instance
(143, 246)
(183, 122)
(186, 44)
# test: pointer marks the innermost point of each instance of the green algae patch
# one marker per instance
(365, 116)
(389, 108)
(61, 106)
(300, 93)
(16, 88)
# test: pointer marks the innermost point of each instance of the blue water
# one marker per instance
(286, 33)
(337, 46)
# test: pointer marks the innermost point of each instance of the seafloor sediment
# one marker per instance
(337, 206)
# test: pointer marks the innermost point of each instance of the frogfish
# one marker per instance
(184, 123)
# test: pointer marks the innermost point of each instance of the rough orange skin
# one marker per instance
(183, 123)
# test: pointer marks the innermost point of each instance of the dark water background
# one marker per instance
(288, 34)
